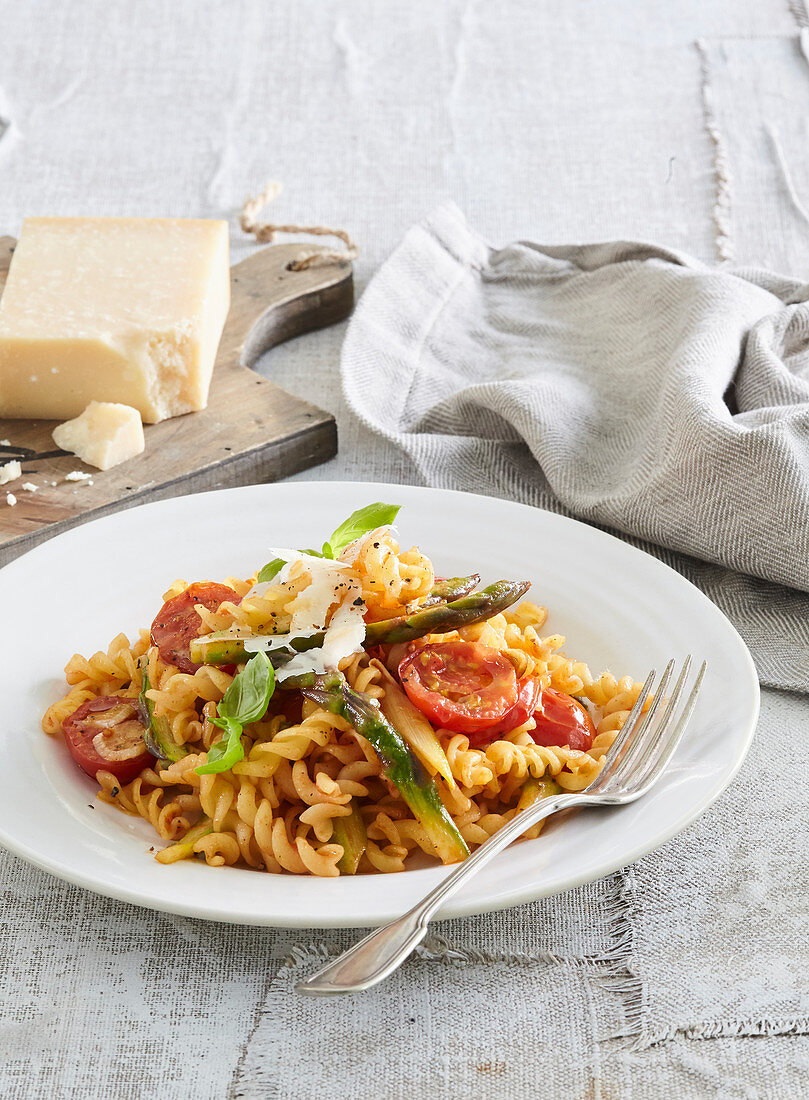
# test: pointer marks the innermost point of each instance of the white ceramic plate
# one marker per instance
(619, 608)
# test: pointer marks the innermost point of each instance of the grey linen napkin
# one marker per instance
(622, 383)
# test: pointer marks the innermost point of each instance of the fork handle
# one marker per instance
(378, 954)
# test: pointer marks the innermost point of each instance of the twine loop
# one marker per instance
(265, 232)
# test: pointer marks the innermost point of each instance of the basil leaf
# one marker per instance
(328, 551)
(245, 701)
(271, 569)
(312, 553)
(225, 753)
(249, 694)
(360, 523)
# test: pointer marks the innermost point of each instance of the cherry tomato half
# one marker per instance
(560, 720)
(106, 734)
(177, 622)
(460, 686)
(528, 692)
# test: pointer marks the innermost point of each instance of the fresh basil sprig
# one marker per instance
(271, 569)
(245, 701)
(358, 523)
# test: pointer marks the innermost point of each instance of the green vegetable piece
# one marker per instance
(534, 789)
(184, 849)
(157, 734)
(360, 523)
(349, 833)
(271, 570)
(451, 588)
(245, 701)
(471, 609)
(224, 649)
(399, 764)
(225, 753)
(247, 698)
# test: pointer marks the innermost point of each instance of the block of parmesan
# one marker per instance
(123, 310)
(104, 435)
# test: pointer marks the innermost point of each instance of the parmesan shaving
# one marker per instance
(350, 553)
(10, 471)
(330, 583)
(346, 630)
(289, 557)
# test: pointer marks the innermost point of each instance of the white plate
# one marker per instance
(619, 608)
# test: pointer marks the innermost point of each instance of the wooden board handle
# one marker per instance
(272, 303)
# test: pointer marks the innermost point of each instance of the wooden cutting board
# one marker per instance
(251, 431)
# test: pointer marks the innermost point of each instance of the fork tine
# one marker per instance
(644, 734)
(677, 729)
(628, 728)
(651, 744)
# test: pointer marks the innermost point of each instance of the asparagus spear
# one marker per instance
(451, 588)
(349, 832)
(223, 649)
(471, 609)
(399, 765)
(157, 734)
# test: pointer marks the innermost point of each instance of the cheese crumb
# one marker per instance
(29, 486)
(11, 500)
(5, 442)
(77, 475)
(10, 471)
(104, 435)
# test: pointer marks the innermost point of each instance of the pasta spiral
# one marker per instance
(390, 578)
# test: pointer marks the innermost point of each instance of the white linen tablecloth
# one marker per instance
(684, 124)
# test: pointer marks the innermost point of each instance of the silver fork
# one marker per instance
(632, 766)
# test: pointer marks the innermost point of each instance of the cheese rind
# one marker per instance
(124, 310)
(104, 435)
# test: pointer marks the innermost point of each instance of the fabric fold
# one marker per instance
(626, 385)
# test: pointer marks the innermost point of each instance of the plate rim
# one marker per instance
(456, 907)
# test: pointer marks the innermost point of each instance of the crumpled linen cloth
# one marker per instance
(622, 383)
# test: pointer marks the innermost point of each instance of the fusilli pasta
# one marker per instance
(307, 776)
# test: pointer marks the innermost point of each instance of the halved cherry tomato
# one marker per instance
(560, 720)
(528, 692)
(460, 686)
(177, 622)
(106, 734)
